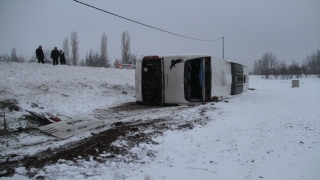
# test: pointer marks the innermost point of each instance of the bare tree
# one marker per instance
(276, 70)
(89, 59)
(65, 48)
(74, 48)
(305, 69)
(283, 70)
(22, 58)
(257, 67)
(47, 54)
(103, 52)
(93, 59)
(96, 59)
(82, 62)
(294, 69)
(125, 46)
(132, 58)
(14, 57)
(313, 63)
(5, 58)
(266, 65)
(269, 62)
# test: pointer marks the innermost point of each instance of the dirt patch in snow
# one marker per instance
(92, 147)
(10, 105)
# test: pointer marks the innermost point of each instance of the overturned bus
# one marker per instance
(187, 79)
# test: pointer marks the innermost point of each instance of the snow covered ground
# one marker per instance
(272, 132)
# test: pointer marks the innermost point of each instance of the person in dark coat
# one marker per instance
(40, 55)
(62, 58)
(55, 55)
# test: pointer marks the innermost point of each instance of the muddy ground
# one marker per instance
(98, 143)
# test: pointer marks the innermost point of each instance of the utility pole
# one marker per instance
(222, 47)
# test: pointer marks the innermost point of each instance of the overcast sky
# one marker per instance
(290, 29)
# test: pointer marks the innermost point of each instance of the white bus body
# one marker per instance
(187, 79)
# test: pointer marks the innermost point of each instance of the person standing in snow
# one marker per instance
(40, 55)
(55, 55)
(62, 58)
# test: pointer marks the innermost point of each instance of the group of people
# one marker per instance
(55, 55)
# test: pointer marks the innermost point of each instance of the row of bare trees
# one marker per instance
(269, 65)
(94, 59)
(125, 47)
(97, 59)
(13, 57)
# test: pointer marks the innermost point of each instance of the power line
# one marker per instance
(145, 24)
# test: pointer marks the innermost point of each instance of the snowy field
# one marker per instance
(272, 132)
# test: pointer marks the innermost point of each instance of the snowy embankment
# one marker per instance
(272, 132)
(70, 91)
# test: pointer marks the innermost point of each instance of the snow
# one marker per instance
(272, 132)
